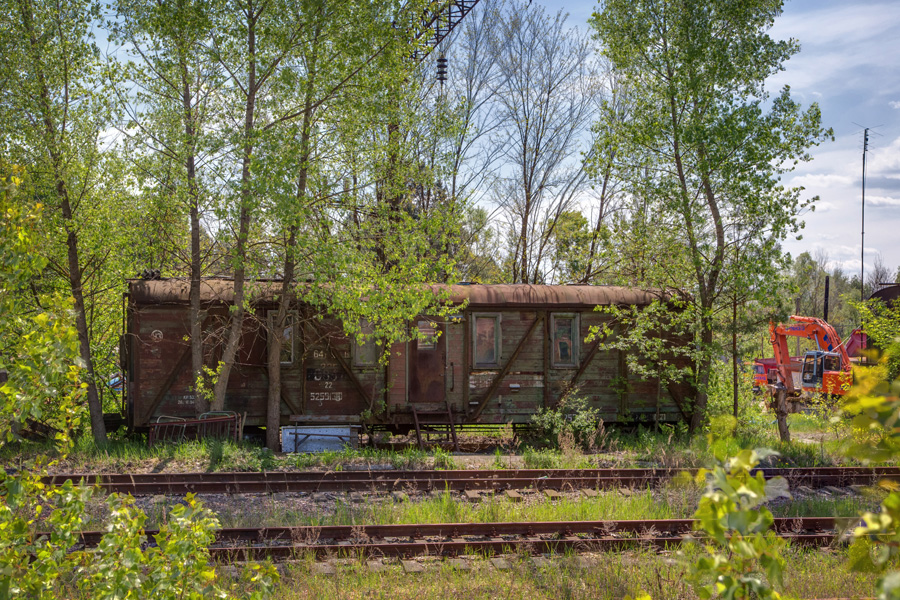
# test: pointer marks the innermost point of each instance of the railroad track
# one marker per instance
(453, 539)
(430, 480)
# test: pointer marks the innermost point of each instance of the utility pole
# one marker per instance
(862, 244)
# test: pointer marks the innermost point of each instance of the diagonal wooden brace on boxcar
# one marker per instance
(495, 384)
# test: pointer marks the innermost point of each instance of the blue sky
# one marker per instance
(850, 64)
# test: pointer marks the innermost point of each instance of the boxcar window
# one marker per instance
(427, 340)
(287, 336)
(487, 340)
(365, 354)
(564, 330)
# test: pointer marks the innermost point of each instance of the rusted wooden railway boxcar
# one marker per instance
(508, 352)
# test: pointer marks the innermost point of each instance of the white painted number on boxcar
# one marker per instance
(326, 396)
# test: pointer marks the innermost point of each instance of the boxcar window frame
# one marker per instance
(430, 342)
(359, 355)
(575, 346)
(292, 319)
(497, 318)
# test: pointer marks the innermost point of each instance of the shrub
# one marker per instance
(541, 459)
(443, 459)
(177, 567)
(877, 545)
(572, 419)
(742, 558)
(122, 565)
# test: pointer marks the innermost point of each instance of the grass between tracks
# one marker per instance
(668, 502)
(817, 443)
(613, 576)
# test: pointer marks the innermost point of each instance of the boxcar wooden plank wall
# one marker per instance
(512, 351)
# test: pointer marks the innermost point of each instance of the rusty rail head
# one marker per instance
(427, 480)
(528, 536)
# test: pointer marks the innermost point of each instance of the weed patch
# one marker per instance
(611, 576)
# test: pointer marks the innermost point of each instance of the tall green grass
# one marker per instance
(450, 508)
(611, 576)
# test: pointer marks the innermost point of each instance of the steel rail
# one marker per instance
(457, 547)
(429, 480)
(447, 539)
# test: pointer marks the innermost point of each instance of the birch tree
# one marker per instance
(546, 83)
(170, 105)
(343, 52)
(705, 143)
(55, 107)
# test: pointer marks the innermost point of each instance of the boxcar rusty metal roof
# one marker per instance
(218, 290)
(522, 295)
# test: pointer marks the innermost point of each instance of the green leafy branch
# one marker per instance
(743, 555)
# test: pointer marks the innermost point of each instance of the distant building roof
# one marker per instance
(888, 294)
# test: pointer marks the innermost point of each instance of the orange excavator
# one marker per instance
(825, 370)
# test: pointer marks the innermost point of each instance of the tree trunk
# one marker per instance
(273, 405)
(592, 253)
(734, 355)
(781, 414)
(98, 428)
(236, 320)
(698, 414)
(275, 337)
(201, 404)
(95, 407)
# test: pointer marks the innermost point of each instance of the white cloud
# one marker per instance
(882, 201)
(813, 180)
(885, 160)
(843, 251)
(836, 45)
(894, 103)
(835, 25)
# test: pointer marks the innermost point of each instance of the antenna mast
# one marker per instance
(862, 244)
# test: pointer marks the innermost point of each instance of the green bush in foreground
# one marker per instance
(177, 567)
(572, 422)
(39, 525)
(743, 554)
(876, 548)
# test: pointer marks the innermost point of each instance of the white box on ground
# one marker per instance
(318, 438)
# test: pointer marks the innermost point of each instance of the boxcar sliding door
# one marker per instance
(427, 361)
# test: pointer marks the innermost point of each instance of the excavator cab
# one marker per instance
(816, 364)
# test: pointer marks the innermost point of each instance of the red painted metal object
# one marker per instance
(827, 370)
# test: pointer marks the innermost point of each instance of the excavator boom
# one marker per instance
(826, 337)
(827, 370)
(778, 339)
